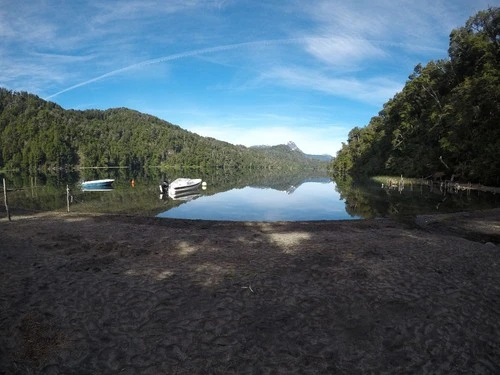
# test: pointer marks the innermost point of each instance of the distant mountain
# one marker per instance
(285, 152)
(293, 147)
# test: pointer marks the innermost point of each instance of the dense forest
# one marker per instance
(445, 121)
(36, 134)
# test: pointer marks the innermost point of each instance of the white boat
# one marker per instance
(97, 184)
(182, 186)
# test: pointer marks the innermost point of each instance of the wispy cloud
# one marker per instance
(373, 90)
(172, 57)
(337, 51)
(118, 11)
(21, 23)
(107, 34)
(342, 49)
(405, 21)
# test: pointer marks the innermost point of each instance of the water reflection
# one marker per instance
(371, 200)
(306, 201)
(135, 192)
(187, 197)
(237, 195)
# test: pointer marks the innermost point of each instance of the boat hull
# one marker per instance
(97, 184)
(97, 189)
(182, 186)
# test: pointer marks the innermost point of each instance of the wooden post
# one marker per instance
(5, 199)
(67, 196)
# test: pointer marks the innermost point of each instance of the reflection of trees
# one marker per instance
(358, 200)
(368, 199)
(47, 191)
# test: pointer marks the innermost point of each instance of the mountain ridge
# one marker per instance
(293, 147)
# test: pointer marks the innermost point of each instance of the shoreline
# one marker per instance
(466, 224)
(127, 294)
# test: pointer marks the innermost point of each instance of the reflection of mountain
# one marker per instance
(321, 180)
(286, 181)
(291, 183)
(290, 189)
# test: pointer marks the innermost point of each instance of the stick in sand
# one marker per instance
(5, 199)
(67, 196)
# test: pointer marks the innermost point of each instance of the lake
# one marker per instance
(239, 195)
(309, 201)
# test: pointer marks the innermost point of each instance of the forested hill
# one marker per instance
(446, 119)
(38, 134)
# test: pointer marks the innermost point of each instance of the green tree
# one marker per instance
(445, 118)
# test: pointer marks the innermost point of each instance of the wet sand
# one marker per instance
(84, 294)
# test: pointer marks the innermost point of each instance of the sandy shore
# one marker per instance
(127, 295)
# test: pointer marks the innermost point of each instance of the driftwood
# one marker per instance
(395, 184)
(436, 176)
(442, 162)
(444, 185)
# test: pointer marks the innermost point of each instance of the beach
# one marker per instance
(114, 294)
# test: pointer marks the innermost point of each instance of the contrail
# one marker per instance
(176, 56)
(203, 51)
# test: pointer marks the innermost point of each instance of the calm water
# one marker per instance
(309, 201)
(252, 196)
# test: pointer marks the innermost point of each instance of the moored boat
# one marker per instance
(183, 185)
(97, 184)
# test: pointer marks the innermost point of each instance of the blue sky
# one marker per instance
(244, 71)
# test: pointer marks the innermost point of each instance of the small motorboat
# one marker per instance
(180, 186)
(97, 184)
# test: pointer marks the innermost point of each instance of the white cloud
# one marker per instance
(375, 90)
(409, 22)
(351, 18)
(342, 49)
(109, 11)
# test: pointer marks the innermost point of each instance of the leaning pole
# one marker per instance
(5, 199)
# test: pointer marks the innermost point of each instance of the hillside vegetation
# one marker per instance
(39, 134)
(445, 121)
